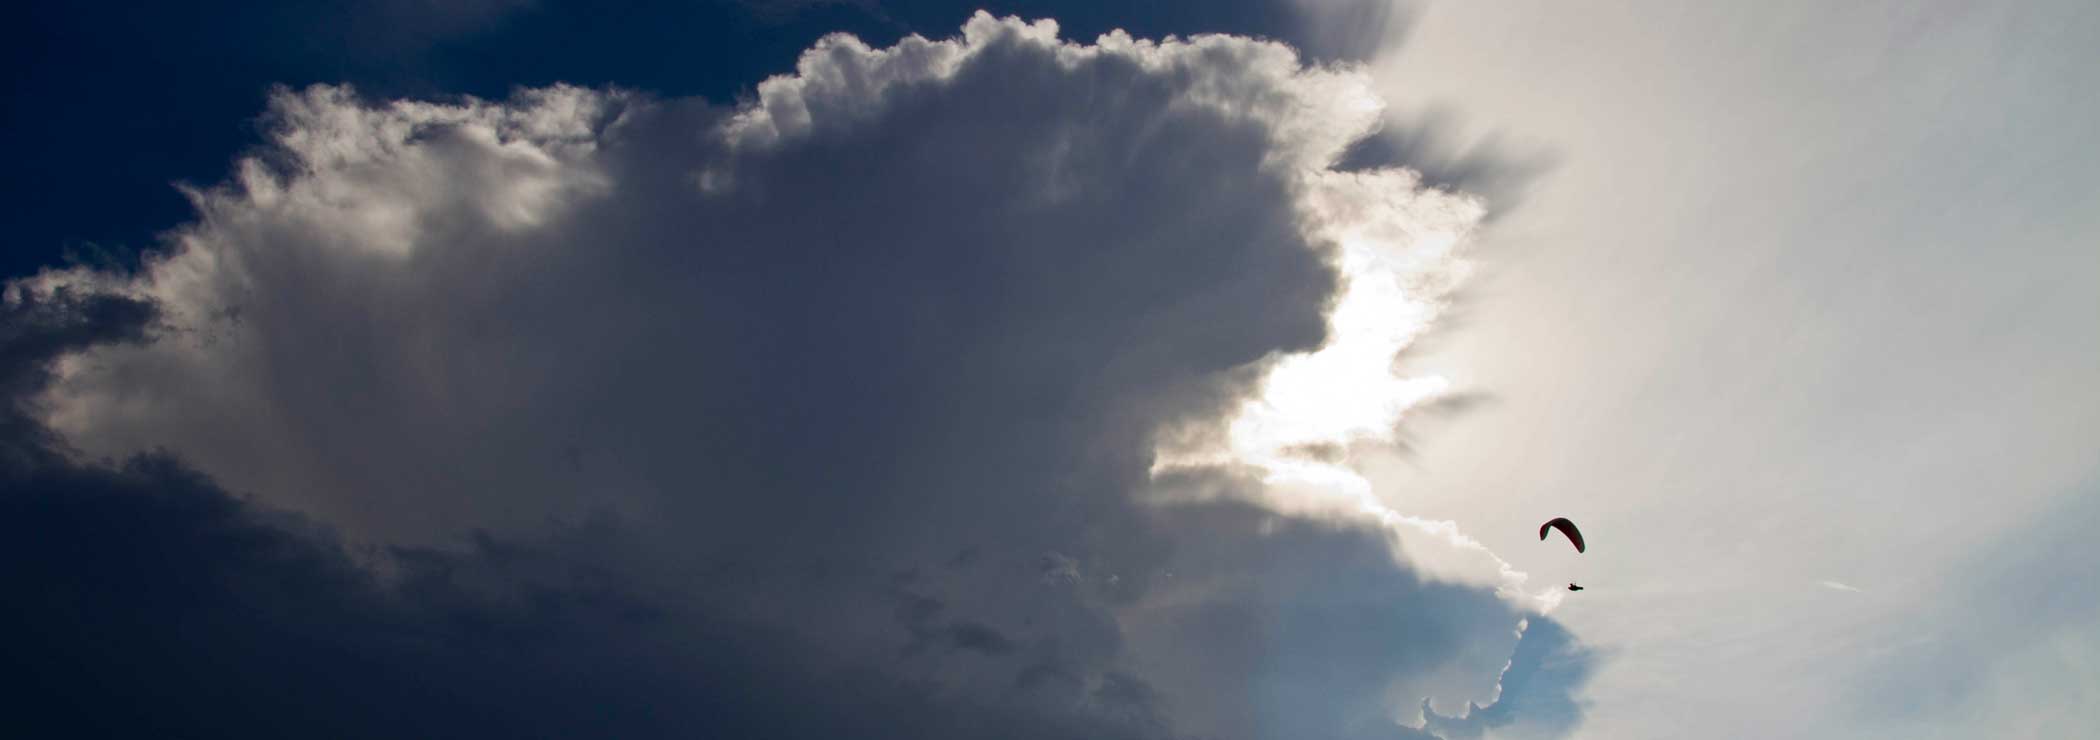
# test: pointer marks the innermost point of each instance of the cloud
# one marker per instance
(588, 412)
(1281, 626)
(1320, 30)
(1836, 586)
(1433, 142)
(155, 603)
(47, 321)
(1536, 698)
(40, 324)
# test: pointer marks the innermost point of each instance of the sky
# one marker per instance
(1168, 370)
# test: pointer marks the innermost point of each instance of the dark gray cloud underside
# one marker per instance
(146, 601)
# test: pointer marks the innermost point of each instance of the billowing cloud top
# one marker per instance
(837, 412)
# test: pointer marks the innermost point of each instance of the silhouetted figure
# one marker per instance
(1573, 587)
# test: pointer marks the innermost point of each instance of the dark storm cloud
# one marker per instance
(721, 396)
(923, 312)
(145, 601)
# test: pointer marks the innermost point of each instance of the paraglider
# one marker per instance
(1566, 528)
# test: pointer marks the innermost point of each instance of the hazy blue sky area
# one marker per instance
(529, 368)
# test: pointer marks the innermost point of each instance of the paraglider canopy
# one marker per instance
(1567, 528)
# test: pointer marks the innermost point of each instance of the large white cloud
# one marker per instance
(879, 359)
